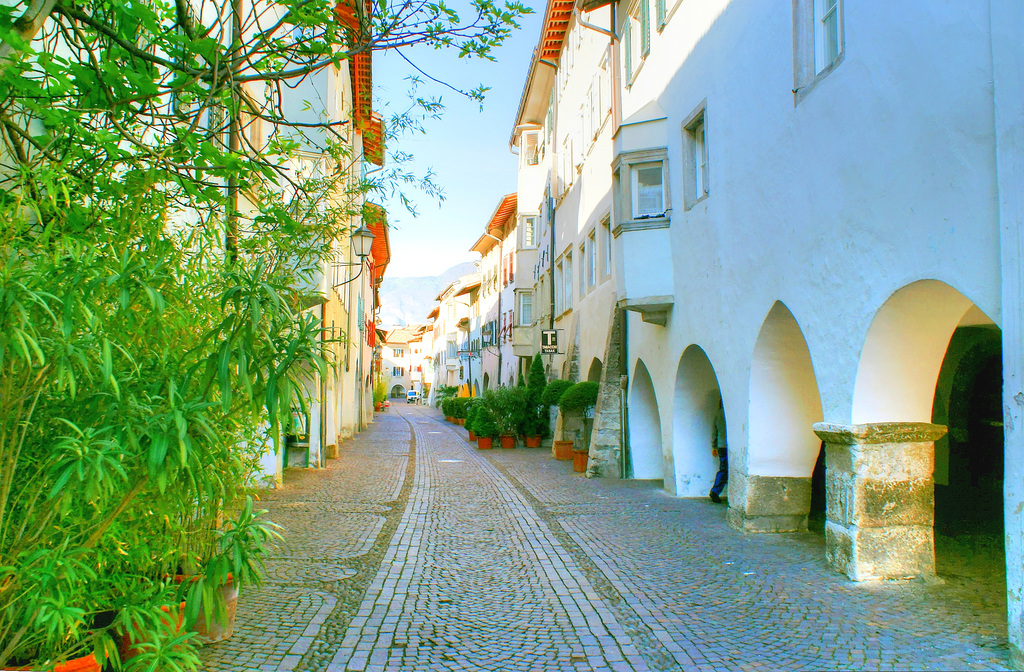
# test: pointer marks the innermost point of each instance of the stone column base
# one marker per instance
(773, 504)
(880, 499)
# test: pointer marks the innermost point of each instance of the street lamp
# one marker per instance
(362, 243)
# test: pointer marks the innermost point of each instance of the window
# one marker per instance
(637, 39)
(606, 245)
(641, 197)
(583, 275)
(528, 231)
(567, 277)
(399, 352)
(530, 140)
(398, 371)
(818, 44)
(826, 33)
(696, 147)
(559, 287)
(648, 193)
(592, 259)
(525, 309)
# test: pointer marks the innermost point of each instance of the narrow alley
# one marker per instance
(414, 550)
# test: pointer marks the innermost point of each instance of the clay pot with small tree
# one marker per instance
(484, 427)
(576, 404)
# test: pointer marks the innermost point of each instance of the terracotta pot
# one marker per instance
(484, 442)
(376, 406)
(126, 645)
(83, 664)
(460, 421)
(449, 419)
(579, 460)
(532, 442)
(219, 631)
(472, 436)
(508, 442)
(563, 450)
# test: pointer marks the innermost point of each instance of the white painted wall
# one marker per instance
(883, 175)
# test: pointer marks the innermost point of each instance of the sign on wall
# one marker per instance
(549, 341)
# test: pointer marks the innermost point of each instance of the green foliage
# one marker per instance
(471, 414)
(484, 423)
(443, 392)
(553, 392)
(579, 397)
(153, 340)
(380, 391)
(537, 381)
(508, 406)
(460, 407)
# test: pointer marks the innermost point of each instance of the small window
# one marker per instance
(525, 309)
(530, 141)
(567, 276)
(648, 193)
(818, 44)
(826, 33)
(697, 173)
(583, 275)
(529, 231)
(399, 352)
(592, 259)
(637, 39)
(606, 246)
(559, 287)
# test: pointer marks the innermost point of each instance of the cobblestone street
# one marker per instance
(414, 550)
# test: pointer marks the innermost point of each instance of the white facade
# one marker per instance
(564, 138)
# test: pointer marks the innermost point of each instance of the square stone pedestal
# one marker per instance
(772, 504)
(880, 498)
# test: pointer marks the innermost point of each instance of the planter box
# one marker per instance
(484, 442)
(460, 421)
(449, 419)
(508, 442)
(563, 450)
(472, 436)
(579, 460)
(532, 442)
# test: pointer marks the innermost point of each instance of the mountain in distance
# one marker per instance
(408, 300)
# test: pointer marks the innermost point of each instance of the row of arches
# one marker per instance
(930, 355)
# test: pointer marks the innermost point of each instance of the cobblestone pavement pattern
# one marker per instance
(416, 551)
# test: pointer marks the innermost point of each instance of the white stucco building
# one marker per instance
(815, 213)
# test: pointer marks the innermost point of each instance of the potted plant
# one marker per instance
(534, 426)
(508, 404)
(549, 398)
(575, 405)
(380, 394)
(471, 414)
(484, 427)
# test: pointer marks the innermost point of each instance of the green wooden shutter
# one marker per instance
(645, 28)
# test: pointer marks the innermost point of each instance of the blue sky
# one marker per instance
(468, 149)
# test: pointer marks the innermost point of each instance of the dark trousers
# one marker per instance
(722, 477)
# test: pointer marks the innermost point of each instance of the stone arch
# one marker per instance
(594, 372)
(784, 400)
(697, 396)
(903, 352)
(397, 391)
(476, 388)
(645, 447)
(487, 382)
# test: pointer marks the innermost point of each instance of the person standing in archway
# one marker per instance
(719, 447)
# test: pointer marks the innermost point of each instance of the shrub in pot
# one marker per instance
(579, 398)
(553, 392)
(508, 405)
(484, 426)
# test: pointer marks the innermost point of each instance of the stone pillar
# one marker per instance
(880, 498)
(771, 504)
(606, 436)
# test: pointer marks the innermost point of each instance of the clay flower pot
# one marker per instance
(532, 442)
(484, 442)
(449, 419)
(84, 664)
(508, 442)
(472, 436)
(563, 450)
(460, 421)
(579, 461)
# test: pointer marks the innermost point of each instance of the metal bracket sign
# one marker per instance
(549, 341)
